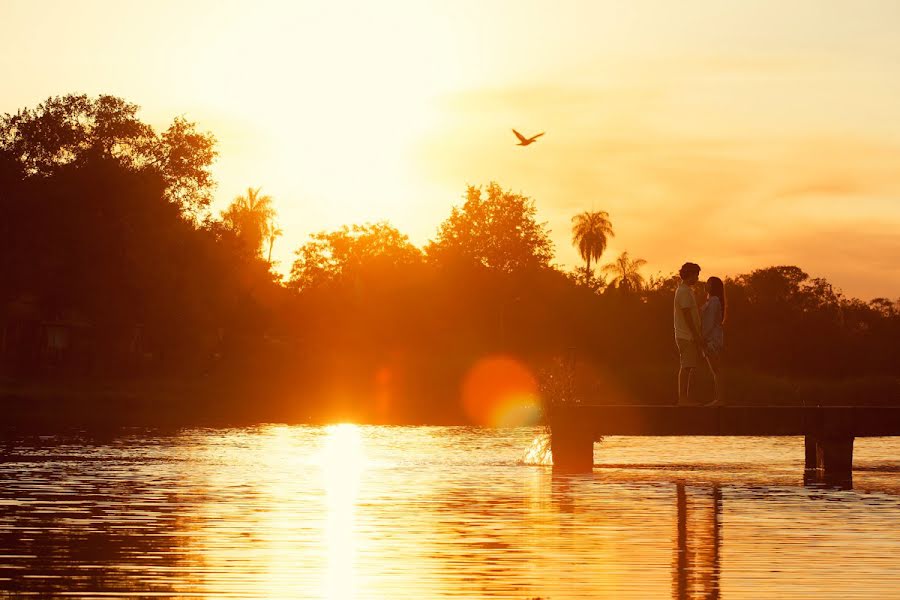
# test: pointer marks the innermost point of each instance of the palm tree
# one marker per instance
(273, 231)
(625, 272)
(250, 216)
(590, 231)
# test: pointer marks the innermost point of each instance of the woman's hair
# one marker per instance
(717, 289)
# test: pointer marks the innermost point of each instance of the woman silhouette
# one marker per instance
(712, 317)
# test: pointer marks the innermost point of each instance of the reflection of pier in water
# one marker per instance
(698, 542)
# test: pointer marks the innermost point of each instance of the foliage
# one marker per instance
(626, 272)
(584, 277)
(493, 228)
(251, 217)
(590, 233)
(72, 129)
(557, 382)
(100, 233)
(183, 156)
(271, 233)
(350, 251)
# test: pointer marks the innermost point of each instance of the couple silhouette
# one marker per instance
(699, 332)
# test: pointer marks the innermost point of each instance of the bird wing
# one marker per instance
(521, 137)
(536, 137)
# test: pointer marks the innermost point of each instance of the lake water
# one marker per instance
(432, 512)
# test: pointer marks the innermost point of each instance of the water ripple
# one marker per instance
(432, 512)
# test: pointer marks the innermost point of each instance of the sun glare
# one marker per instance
(344, 115)
(342, 460)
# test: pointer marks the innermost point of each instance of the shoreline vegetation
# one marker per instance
(124, 299)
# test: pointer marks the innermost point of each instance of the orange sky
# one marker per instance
(735, 134)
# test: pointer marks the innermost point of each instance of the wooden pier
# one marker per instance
(829, 431)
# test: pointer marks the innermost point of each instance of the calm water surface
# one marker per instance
(424, 512)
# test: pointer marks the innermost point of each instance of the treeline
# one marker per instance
(113, 268)
(109, 257)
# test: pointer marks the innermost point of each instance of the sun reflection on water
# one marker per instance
(349, 511)
(342, 460)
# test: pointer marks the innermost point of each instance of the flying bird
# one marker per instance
(524, 141)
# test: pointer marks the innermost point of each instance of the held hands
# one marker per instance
(704, 348)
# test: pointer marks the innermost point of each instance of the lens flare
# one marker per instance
(499, 391)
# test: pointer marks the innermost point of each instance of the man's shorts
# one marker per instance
(688, 353)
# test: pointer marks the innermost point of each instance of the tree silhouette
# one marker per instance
(590, 231)
(583, 277)
(344, 254)
(99, 234)
(183, 156)
(625, 272)
(494, 228)
(273, 232)
(251, 216)
(73, 129)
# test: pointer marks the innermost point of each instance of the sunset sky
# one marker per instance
(734, 134)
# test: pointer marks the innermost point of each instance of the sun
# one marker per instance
(332, 121)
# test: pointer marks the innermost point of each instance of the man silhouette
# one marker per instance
(687, 328)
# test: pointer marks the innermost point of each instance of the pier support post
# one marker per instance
(835, 457)
(572, 445)
(831, 457)
(812, 453)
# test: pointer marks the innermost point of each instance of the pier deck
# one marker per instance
(829, 431)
